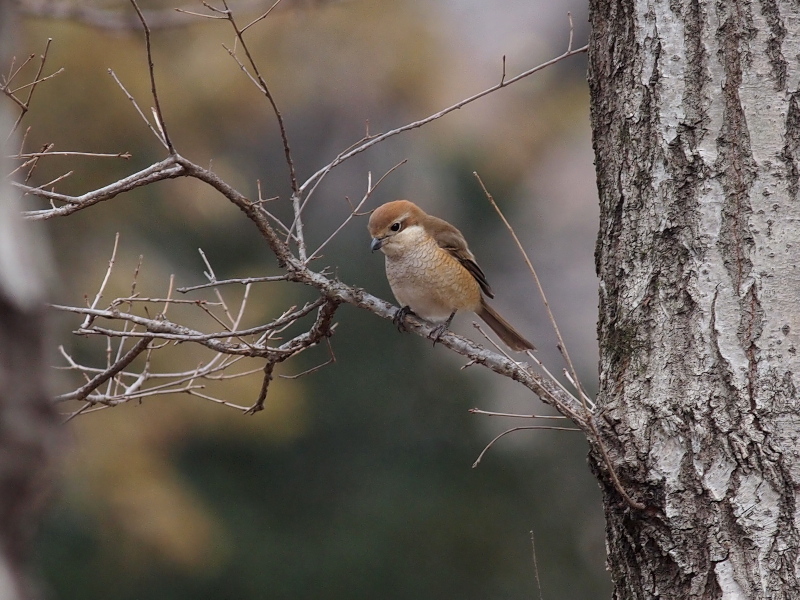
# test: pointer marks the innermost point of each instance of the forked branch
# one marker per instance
(138, 335)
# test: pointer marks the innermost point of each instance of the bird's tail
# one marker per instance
(501, 327)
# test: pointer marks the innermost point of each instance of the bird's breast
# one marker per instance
(431, 282)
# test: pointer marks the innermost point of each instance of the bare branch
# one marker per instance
(165, 169)
(588, 421)
(377, 139)
(158, 113)
(131, 299)
(241, 281)
(561, 345)
(322, 329)
(310, 371)
(125, 155)
(477, 411)
(571, 31)
(262, 395)
(34, 83)
(549, 390)
(536, 567)
(216, 400)
(103, 284)
(297, 227)
(512, 430)
(161, 328)
(354, 212)
(262, 17)
(159, 135)
(25, 105)
(13, 72)
(264, 341)
(83, 392)
(263, 87)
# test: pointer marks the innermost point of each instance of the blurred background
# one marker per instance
(356, 481)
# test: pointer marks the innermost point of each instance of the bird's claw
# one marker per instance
(399, 318)
(437, 333)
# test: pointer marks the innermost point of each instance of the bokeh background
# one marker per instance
(356, 481)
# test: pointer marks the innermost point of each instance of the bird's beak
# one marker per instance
(376, 244)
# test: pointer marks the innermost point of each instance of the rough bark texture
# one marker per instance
(696, 119)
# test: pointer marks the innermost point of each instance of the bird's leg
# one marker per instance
(437, 333)
(399, 318)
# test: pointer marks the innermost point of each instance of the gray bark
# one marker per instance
(696, 118)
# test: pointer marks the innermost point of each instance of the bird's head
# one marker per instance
(395, 226)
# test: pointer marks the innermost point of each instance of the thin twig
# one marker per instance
(536, 567)
(56, 180)
(262, 394)
(553, 379)
(158, 113)
(165, 169)
(164, 329)
(36, 80)
(13, 72)
(296, 230)
(82, 410)
(556, 402)
(309, 371)
(354, 212)
(500, 349)
(377, 139)
(477, 411)
(130, 97)
(130, 299)
(168, 299)
(611, 471)
(242, 305)
(83, 392)
(309, 193)
(261, 18)
(562, 346)
(240, 281)
(125, 155)
(571, 31)
(197, 14)
(512, 430)
(216, 400)
(262, 84)
(585, 400)
(588, 401)
(88, 320)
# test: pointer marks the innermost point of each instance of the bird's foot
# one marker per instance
(399, 318)
(437, 333)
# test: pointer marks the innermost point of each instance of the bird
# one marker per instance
(432, 272)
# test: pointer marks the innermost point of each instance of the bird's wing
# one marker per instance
(449, 238)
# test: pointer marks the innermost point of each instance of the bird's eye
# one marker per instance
(395, 226)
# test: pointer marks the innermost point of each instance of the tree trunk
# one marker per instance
(29, 431)
(696, 116)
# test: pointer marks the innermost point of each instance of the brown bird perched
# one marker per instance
(432, 272)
